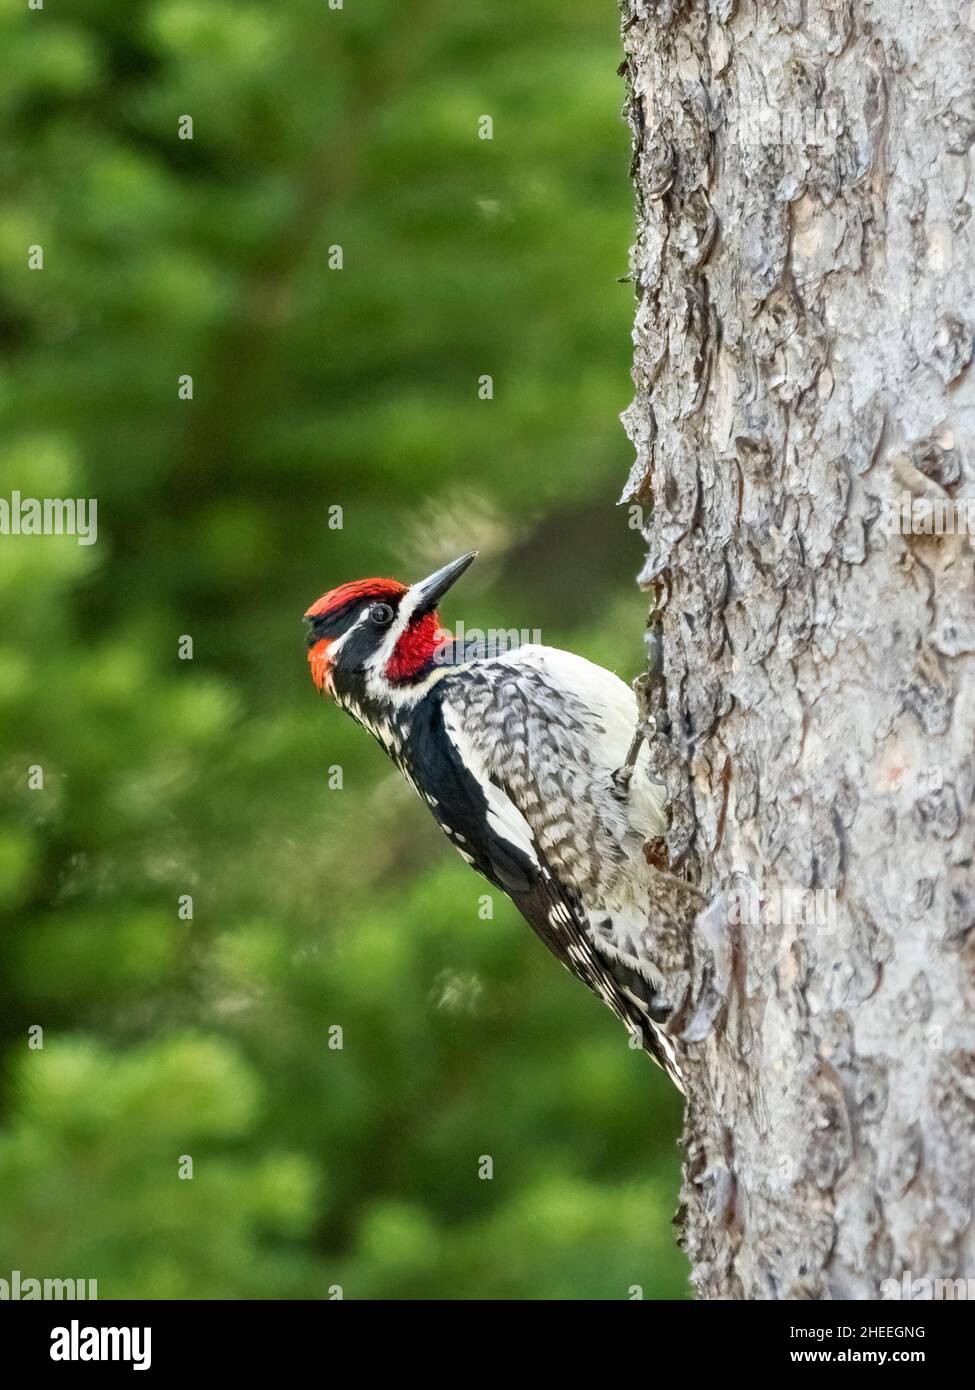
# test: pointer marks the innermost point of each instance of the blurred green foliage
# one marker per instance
(313, 387)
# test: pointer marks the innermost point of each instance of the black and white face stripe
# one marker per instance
(363, 637)
(364, 632)
(338, 622)
(359, 634)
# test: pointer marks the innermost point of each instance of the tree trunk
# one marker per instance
(805, 277)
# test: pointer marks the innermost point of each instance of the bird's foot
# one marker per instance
(648, 726)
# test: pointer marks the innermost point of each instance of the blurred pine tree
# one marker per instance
(335, 259)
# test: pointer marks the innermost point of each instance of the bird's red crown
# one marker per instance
(359, 591)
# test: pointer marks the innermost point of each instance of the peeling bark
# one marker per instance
(805, 278)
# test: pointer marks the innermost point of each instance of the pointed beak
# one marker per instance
(428, 592)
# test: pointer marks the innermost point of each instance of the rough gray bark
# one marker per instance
(805, 279)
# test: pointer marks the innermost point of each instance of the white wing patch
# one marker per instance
(503, 815)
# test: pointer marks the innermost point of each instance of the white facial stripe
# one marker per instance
(379, 660)
(340, 642)
(375, 667)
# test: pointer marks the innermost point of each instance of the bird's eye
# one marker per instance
(381, 614)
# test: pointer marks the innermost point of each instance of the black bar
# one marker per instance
(252, 1337)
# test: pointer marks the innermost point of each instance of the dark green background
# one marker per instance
(313, 388)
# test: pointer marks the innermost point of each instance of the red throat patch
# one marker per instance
(416, 648)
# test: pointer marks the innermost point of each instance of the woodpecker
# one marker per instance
(528, 762)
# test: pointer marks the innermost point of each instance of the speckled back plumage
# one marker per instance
(544, 732)
(554, 745)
